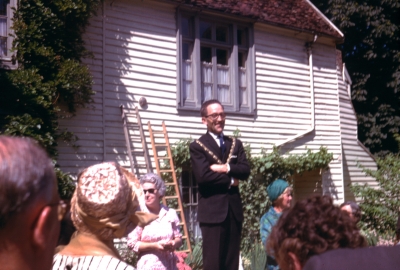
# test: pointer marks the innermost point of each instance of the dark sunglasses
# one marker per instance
(150, 190)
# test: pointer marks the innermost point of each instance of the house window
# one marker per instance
(215, 62)
(5, 31)
(190, 198)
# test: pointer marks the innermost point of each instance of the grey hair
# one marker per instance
(26, 174)
(156, 180)
(355, 209)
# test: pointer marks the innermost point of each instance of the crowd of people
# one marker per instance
(109, 202)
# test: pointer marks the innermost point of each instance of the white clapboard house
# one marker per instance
(272, 63)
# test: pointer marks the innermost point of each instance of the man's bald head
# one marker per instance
(26, 173)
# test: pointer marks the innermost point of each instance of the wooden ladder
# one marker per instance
(135, 142)
(162, 154)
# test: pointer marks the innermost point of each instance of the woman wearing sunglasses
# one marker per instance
(156, 242)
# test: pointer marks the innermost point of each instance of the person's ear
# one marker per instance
(204, 120)
(45, 228)
(295, 261)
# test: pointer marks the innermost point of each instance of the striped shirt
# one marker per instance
(64, 262)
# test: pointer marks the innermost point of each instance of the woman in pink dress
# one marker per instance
(156, 242)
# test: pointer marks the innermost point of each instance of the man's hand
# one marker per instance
(235, 182)
(219, 168)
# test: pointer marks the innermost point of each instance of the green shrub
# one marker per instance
(380, 206)
(195, 259)
(50, 82)
(255, 259)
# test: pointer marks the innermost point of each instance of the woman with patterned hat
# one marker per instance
(104, 206)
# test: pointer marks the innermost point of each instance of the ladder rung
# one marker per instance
(164, 171)
(169, 184)
(171, 197)
(158, 131)
(160, 145)
(163, 158)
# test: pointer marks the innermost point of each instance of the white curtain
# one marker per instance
(243, 86)
(187, 80)
(3, 36)
(223, 83)
(207, 80)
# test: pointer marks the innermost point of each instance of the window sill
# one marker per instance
(7, 64)
(228, 112)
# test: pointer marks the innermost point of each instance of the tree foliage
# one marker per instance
(265, 168)
(371, 52)
(50, 81)
(381, 205)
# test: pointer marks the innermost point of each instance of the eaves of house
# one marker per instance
(299, 15)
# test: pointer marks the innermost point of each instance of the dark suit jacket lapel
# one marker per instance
(212, 145)
(228, 144)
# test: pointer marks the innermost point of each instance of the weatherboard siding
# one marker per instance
(354, 153)
(134, 55)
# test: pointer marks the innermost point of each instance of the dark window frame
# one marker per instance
(191, 45)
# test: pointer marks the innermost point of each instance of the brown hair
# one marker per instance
(203, 109)
(25, 173)
(311, 227)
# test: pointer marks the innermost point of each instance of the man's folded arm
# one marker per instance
(202, 171)
(241, 169)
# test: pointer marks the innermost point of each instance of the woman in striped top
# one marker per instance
(103, 207)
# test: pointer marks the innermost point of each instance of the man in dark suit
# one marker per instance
(218, 163)
(370, 258)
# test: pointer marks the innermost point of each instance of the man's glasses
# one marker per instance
(150, 190)
(214, 116)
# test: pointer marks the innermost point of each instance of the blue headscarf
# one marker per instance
(276, 188)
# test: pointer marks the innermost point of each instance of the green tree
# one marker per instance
(371, 52)
(50, 81)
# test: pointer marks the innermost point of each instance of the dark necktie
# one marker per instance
(221, 144)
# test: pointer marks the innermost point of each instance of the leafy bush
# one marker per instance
(380, 206)
(195, 259)
(50, 81)
(256, 258)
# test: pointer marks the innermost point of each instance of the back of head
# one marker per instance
(26, 173)
(311, 227)
(103, 203)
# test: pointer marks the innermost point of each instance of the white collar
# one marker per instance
(215, 136)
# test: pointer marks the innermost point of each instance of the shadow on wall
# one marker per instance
(328, 186)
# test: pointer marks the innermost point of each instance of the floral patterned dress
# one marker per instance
(164, 228)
